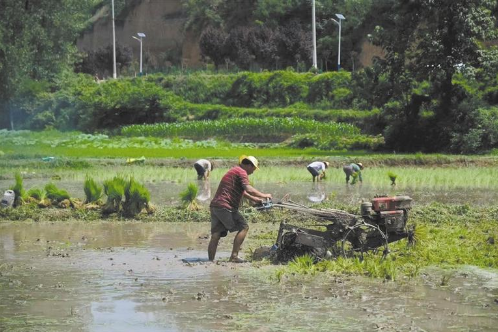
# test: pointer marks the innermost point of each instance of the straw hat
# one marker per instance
(253, 161)
(326, 164)
(360, 164)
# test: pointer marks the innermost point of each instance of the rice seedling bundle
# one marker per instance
(93, 191)
(188, 197)
(55, 194)
(115, 190)
(38, 194)
(18, 189)
(137, 197)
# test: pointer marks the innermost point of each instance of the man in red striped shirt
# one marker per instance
(225, 215)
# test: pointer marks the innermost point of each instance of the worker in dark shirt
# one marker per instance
(353, 169)
(225, 216)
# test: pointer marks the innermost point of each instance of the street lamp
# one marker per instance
(140, 35)
(340, 17)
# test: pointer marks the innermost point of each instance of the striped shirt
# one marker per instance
(231, 189)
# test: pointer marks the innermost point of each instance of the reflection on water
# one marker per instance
(204, 190)
(317, 193)
(167, 193)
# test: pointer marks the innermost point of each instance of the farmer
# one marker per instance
(225, 216)
(352, 170)
(203, 168)
(317, 169)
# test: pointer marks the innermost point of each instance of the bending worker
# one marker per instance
(352, 170)
(225, 215)
(203, 168)
(317, 169)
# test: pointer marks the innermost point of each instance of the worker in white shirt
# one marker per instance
(317, 169)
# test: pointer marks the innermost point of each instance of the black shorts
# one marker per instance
(313, 171)
(200, 170)
(224, 221)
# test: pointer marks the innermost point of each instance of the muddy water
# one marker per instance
(167, 193)
(130, 277)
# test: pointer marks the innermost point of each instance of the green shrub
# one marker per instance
(198, 87)
(279, 88)
(55, 194)
(93, 191)
(337, 142)
(332, 88)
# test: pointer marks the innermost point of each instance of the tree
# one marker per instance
(36, 42)
(212, 45)
(100, 61)
(431, 40)
(202, 14)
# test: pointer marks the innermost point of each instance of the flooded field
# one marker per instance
(112, 276)
(167, 193)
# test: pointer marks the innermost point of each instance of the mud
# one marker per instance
(130, 277)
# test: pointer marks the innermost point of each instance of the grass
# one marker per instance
(448, 236)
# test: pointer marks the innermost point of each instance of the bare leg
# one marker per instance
(237, 242)
(213, 245)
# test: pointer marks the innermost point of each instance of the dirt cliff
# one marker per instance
(166, 43)
(162, 23)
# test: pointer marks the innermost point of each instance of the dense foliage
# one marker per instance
(434, 88)
(275, 34)
(36, 44)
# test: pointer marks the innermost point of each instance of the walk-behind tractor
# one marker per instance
(383, 220)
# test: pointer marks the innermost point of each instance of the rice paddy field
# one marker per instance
(74, 269)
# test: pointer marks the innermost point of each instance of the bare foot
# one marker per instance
(237, 260)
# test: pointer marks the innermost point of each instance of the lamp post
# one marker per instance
(114, 75)
(313, 27)
(340, 17)
(140, 35)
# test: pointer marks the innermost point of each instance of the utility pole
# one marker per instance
(114, 75)
(313, 27)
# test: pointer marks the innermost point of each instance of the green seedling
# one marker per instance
(188, 197)
(55, 194)
(38, 194)
(93, 191)
(18, 189)
(392, 176)
(137, 198)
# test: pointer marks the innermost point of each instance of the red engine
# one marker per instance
(390, 213)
